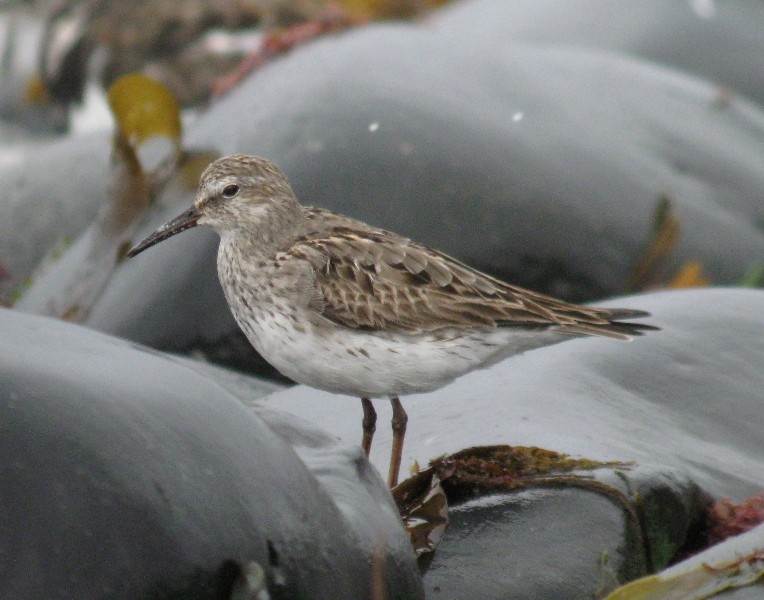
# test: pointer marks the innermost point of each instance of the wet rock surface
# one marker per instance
(528, 522)
(716, 40)
(130, 474)
(51, 193)
(576, 539)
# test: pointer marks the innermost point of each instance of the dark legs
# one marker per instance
(369, 424)
(400, 418)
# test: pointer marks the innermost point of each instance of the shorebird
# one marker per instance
(343, 306)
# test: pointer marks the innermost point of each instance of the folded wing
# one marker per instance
(375, 280)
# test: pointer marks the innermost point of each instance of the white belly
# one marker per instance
(365, 364)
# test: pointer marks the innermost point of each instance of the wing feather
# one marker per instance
(375, 280)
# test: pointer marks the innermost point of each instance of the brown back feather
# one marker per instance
(376, 280)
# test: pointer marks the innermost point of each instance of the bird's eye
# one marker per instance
(230, 190)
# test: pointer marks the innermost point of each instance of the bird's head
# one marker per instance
(235, 193)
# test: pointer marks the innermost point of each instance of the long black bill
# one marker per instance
(180, 223)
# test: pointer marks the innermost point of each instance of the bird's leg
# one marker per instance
(369, 424)
(400, 418)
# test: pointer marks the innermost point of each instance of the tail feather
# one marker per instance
(619, 314)
(617, 330)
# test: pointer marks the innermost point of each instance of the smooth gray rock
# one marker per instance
(128, 473)
(51, 193)
(561, 544)
(718, 41)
